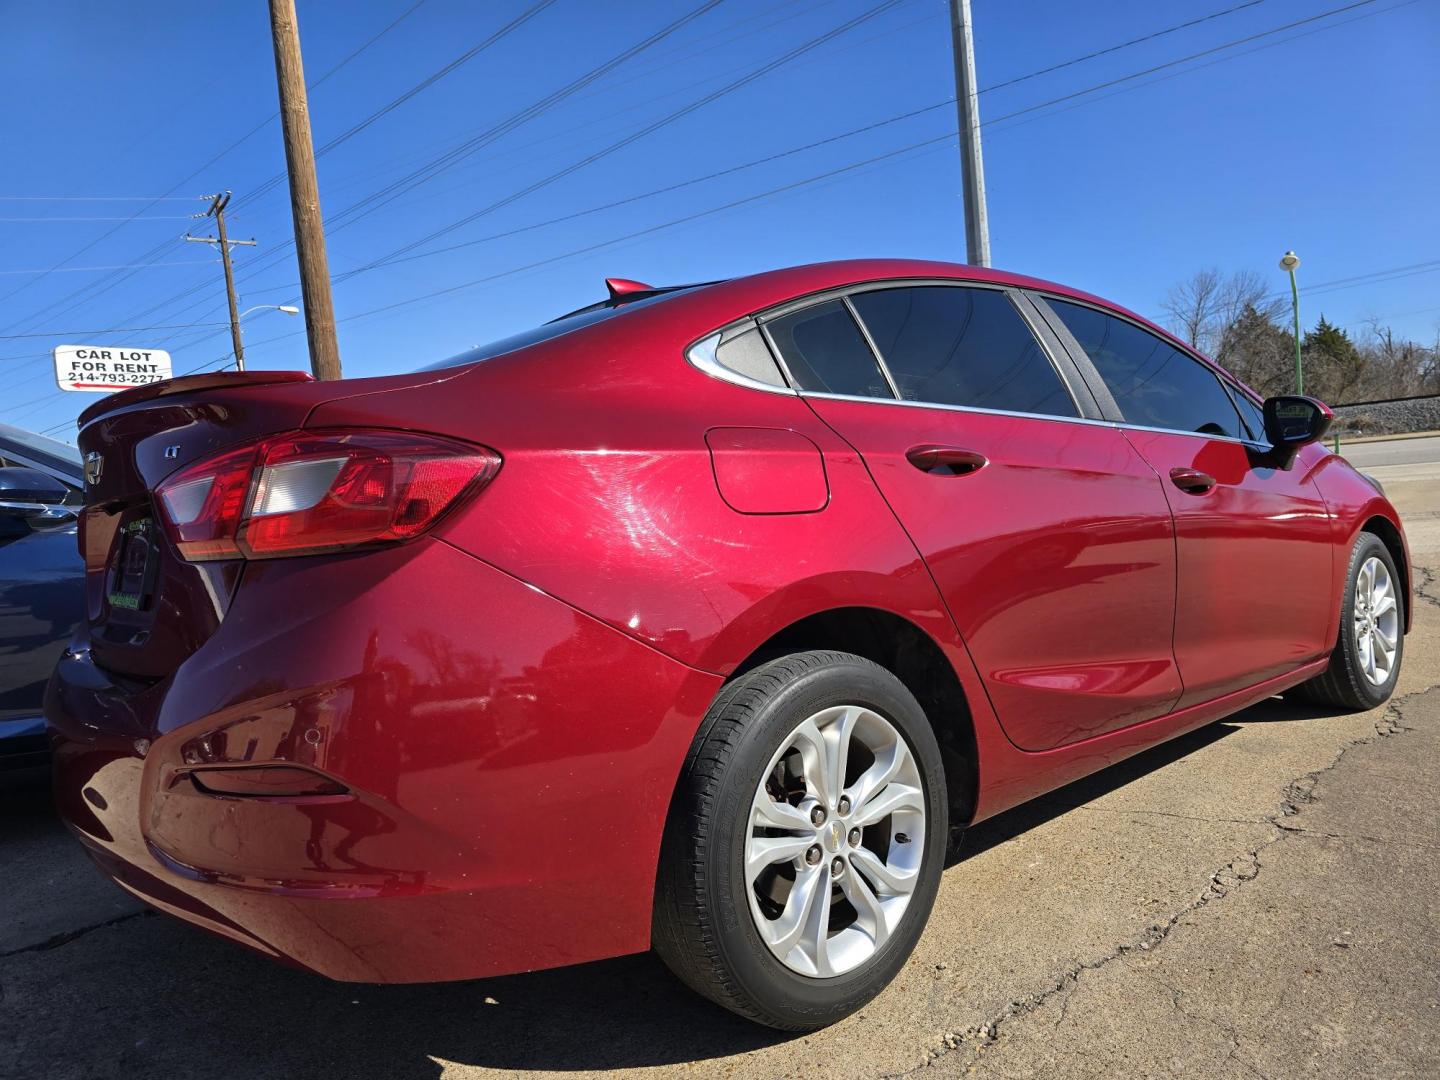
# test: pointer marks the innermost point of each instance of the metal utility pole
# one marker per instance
(1288, 262)
(972, 167)
(304, 193)
(217, 211)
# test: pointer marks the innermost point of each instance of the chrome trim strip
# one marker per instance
(1030, 416)
(962, 409)
(1194, 434)
(702, 356)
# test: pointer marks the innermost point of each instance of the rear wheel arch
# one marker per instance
(912, 656)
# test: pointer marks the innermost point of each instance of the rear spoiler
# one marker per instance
(186, 384)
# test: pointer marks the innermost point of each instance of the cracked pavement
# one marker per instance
(1260, 898)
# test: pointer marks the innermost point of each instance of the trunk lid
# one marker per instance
(147, 609)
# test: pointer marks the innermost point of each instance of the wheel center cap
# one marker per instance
(834, 835)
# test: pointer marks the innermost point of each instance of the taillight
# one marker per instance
(311, 491)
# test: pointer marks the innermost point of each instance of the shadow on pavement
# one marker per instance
(164, 999)
(1029, 815)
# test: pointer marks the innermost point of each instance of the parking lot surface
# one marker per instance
(1259, 898)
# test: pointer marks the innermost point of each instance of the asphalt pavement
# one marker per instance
(1411, 450)
(1258, 898)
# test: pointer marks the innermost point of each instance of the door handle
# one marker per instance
(1192, 480)
(945, 460)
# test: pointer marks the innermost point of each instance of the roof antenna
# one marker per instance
(622, 287)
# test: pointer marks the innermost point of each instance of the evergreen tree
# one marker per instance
(1333, 365)
(1333, 342)
(1259, 352)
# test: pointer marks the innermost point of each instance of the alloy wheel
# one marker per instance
(836, 838)
(1376, 621)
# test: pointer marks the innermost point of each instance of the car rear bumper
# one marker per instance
(509, 762)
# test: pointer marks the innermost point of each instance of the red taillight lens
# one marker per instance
(311, 491)
(203, 504)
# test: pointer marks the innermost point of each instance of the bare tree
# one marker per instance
(1242, 290)
(1192, 305)
(1244, 325)
(1204, 309)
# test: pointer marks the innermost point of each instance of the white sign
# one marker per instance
(99, 369)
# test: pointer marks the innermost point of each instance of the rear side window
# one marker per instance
(950, 345)
(1154, 383)
(826, 353)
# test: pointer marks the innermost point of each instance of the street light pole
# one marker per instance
(1288, 262)
(972, 166)
(288, 309)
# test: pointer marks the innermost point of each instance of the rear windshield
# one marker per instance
(566, 324)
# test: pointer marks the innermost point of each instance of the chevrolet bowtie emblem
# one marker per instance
(94, 466)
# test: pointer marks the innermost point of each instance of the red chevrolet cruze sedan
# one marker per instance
(697, 619)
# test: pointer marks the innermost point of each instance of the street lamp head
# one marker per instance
(1289, 261)
(289, 309)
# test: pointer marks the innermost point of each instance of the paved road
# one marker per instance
(1260, 898)
(1417, 451)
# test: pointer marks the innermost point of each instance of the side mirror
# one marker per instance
(34, 497)
(1292, 421)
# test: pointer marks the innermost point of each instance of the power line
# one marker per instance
(830, 173)
(337, 222)
(424, 174)
(1122, 45)
(281, 250)
(396, 256)
(1109, 83)
(93, 198)
(1103, 85)
(131, 217)
(60, 304)
(664, 121)
(869, 161)
(448, 160)
(111, 330)
(356, 210)
(1186, 59)
(424, 84)
(123, 266)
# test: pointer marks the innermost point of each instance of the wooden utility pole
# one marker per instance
(972, 167)
(217, 211)
(304, 193)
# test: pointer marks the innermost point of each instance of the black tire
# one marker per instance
(702, 925)
(1344, 684)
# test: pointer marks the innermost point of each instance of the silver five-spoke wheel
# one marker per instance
(1376, 620)
(836, 837)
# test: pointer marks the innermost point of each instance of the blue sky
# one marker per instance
(1322, 138)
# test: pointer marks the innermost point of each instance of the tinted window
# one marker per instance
(1154, 383)
(957, 346)
(1251, 414)
(826, 352)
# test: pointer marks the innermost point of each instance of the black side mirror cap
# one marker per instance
(1293, 421)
